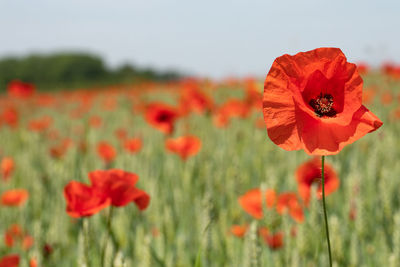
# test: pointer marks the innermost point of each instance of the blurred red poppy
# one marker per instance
(11, 260)
(362, 68)
(313, 101)
(20, 89)
(15, 234)
(253, 94)
(10, 116)
(33, 262)
(239, 230)
(119, 187)
(121, 133)
(193, 99)
(95, 121)
(387, 98)
(252, 201)
(7, 167)
(59, 150)
(235, 108)
(161, 116)
(274, 241)
(40, 124)
(106, 151)
(309, 173)
(133, 145)
(83, 200)
(14, 197)
(289, 202)
(184, 146)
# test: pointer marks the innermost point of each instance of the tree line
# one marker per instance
(71, 70)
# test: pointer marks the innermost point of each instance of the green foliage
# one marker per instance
(69, 70)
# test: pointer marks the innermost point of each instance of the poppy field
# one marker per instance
(185, 173)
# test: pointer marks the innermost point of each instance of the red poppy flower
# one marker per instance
(41, 124)
(313, 101)
(12, 233)
(235, 108)
(133, 145)
(309, 173)
(33, 262)
(239, 230)
(121, 133)
(161, 116)
(20, 89)
(274, 241)
(14, 197)
(362, 68)
(387, 98)
(106, 151)
(83, 200)
(10, 116)
(95, 121)
(59, 150)
(289, 202)
(15, 234)
(253, 94)
(7, 167)
(11, 260)
(184, 146)
(193, 99)
(119, 186)
(252, 201)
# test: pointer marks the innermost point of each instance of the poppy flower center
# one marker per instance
(323, 105)
(163, 117)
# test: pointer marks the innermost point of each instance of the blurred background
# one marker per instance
(80, 43)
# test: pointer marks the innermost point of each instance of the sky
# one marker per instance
(207, 38)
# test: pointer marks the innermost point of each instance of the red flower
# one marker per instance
(7, 167)
(11, 260)
(10, 116)
(313, 101)
(106, 151)
(41, 124)
(184, 146)
(252, 201)
(33, 262)
(274, 241)
(362, 68)
(83, 200)
(59, 150)
(288, 201)
(193, 99)
(121, 133)
(20, 89)
(14, 197)
(95, 121)
(133, 145)
(119, 187)
(162, 117)
(239, 230)
(16, 234)
(309, 173)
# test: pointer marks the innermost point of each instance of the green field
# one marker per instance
(194, 203)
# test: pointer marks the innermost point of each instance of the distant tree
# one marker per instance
(71, 69)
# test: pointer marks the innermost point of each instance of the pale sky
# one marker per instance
(213, 38)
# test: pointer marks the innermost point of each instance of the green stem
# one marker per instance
(323, 203)
(109, 233)
(86, 241)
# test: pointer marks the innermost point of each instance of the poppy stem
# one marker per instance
(109, 233)
(323, 203)
(86, 241)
